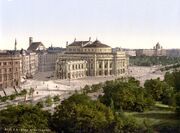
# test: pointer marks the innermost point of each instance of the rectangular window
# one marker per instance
(10, 69)
(91, 66)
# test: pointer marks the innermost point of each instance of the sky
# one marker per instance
(118, 23)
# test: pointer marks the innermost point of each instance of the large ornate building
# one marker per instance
(156, 51)
(87, 58)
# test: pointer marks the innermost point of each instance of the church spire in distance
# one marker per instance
(15, 45)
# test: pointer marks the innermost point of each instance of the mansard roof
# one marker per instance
(96, 44)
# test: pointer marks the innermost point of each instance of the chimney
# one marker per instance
(89, 39)
(74, 39)
(66, 43)
(30, 40)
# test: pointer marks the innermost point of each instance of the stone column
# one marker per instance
(108, 68)
(115, 64)
(103, 68)
(95, 65)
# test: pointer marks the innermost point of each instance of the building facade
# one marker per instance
(47, 61)
(29, 63)
(97, 59)
(173, 52)
(9, 70)
(156, 51)
(72, 69)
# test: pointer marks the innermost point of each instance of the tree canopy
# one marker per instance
(24, 117)
(126, 95)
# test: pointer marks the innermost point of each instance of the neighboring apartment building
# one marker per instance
(9, 70)
(156, 51)
(47, 59)
(97, 58)
(29, 63)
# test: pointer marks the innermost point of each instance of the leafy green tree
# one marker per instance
(86, 89)
(126, 95)
(40, 104)
(96, 87)
(125, 124)
(31, 92)
(81, 114)
(167, 96)
(178, 103)
(4, 98)
(154, 88)
(176, 80)
(48, 101)
(56, 98)
(23, 92)
(13, 96)
(169, 79)
(173, 79)
(27, 117)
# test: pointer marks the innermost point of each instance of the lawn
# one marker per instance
(161, 117)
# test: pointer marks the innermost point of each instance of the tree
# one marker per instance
(154, 88)
(27, 117)
(31, 92)
(176, 80)
(167, 96)
(56, 98)
(40, 104)
(81, 114)
(13, 96)
(48, 101)
(173, 79)
(178, 103)
(86, 89)
(169, 79)
(126, 95)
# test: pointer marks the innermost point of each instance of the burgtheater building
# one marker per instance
(87, 58)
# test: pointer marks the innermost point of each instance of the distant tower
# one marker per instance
(74, 39)
(66, 44)
(89, 38)
(96, 38)
(15, 45)
(30, 40)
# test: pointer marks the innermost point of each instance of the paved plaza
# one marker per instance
(44, 84)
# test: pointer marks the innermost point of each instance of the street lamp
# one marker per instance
(69, 78)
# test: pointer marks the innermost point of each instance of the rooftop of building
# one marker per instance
(89, 44)
(97, 44)
(34, 46)
(78, 43)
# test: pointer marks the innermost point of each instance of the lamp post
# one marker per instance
(69, 78)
